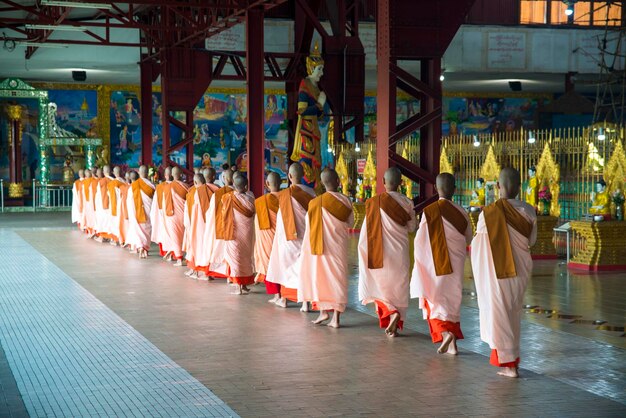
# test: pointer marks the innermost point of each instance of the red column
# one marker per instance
(255, 78)
(385, 91)
(189, 134)
(430, 135)
(146, 78)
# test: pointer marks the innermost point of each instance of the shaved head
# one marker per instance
(116, 171)
(445, 185)
(99, 172)
(177, 173)
(296, 173)
(81, 173)
(240, 182)
(330, 179)
(228, 178)
(209, 174)
(167, 173)
(509, 183)
(88, 173)
(107, 170)
(196, 170)
(392, 179)
(273, 181)
(198, 179)
(143, 171)
(134, 176)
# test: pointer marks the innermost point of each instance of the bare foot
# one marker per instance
(202, 277)
(167, 256)
(194, 275)
(178, 263)
(322, 318)
(113, 243)
(282, 302)
(274, 299)
(447, 339)
(245, 288)
(452, 349)
(189, 272)
(335, 322)
(391, 334)
(305, 307)
(392, 328)
(238, 290)
(509, 372)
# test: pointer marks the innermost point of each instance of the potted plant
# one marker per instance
(545, 198)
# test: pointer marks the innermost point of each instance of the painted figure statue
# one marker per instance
(600, 200)
(311, 102)
(478, 195)
(533, 187)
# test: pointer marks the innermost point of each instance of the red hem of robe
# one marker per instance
(494, 361)
(289, 294)
(384, 315)
(161, 252)
(271, 288)
(260, 278)
(437, 326)
(242, 281)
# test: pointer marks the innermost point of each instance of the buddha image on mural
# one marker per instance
(125, 126)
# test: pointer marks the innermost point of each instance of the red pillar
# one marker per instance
(255, 78)
(385, 91)
(189, 134)
(146, 79)
(430, 135)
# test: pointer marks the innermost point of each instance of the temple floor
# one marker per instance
(88, 329)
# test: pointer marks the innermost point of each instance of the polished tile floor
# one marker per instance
(261, 360)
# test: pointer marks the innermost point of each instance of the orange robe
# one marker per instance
(213, 235)
(174, 195)
(238, 221)
(77, 201)
(139, 203)
(266, 208)
(197, 226)
(103, 209)
(88, 218)
(191, 193)
(122, 206)
(114, 221)
(323, 262)
(384, 259)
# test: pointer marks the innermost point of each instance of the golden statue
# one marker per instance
(478, 195)
(342, 170)
(533, 187)
(601, 203)
(548, 174)
(311, 101)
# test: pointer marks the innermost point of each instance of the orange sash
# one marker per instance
(104, 195)
(395, 211)
(79, 194)
(177, 187)
(263, 206)
(94, 188)
(230, 203)
(434, 214)
(497, 216)
(335, 207)
(113, 184)
(191, 194)
(204, 197)
(139, 186)
(159, 193)
(219, 224)
(123, 195)
(86, 187)
(286, 208)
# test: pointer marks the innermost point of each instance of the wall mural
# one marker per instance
(125, 129)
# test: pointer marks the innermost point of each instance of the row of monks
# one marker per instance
(296, 243)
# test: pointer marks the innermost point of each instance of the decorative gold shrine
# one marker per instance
(444, 163)
(549, 174)
(369, 173)
(342, 171)
(615, 171)
(490, 169)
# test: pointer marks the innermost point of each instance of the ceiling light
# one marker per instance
(77, 4)
(476, 141)
(531, 137)
(570, 8)
(37, 26)
(601, 135)
(330, 149)
(357, 147)
(442, 77)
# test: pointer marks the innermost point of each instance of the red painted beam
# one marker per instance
(256, 115)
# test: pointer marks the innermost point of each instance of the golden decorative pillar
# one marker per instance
(16, 189)
(544, 248)
(599, 246)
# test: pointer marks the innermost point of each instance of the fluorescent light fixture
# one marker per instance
(69, 28)
(357, 147)
(476, 141)
(77, 4)
(531, 137)
(42, 44)
(601, 135)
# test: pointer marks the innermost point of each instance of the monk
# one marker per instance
(214, 232)
(189, 198)
(88, 219)
(502, 267)
(209, 176)
(384, 259)
(197, 223)
(113, 196)
(103, 210)
(266, 208)
(156, 214)
(174, 195)
(77, 198)
(323, 262)
(139, 203)
(282, 276)
(123, 208)
(238, 220)
(440, 250)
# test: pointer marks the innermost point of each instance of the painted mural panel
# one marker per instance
(125, 125)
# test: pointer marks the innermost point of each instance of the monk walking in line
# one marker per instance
(157, 216)
(238, 221)
(139, 203)
(214, 231)
(113, 194)
(323, 263)
(77, 198)
(282, 274)
(123, 208)
(265, 227)
(209, 176)
(88, 218)
(502, 267)
(384, 259)
(440, 251)
(174, 194)
(197, 225)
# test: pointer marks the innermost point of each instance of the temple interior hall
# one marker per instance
(312, 208)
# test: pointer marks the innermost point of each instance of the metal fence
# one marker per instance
(43, 197)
